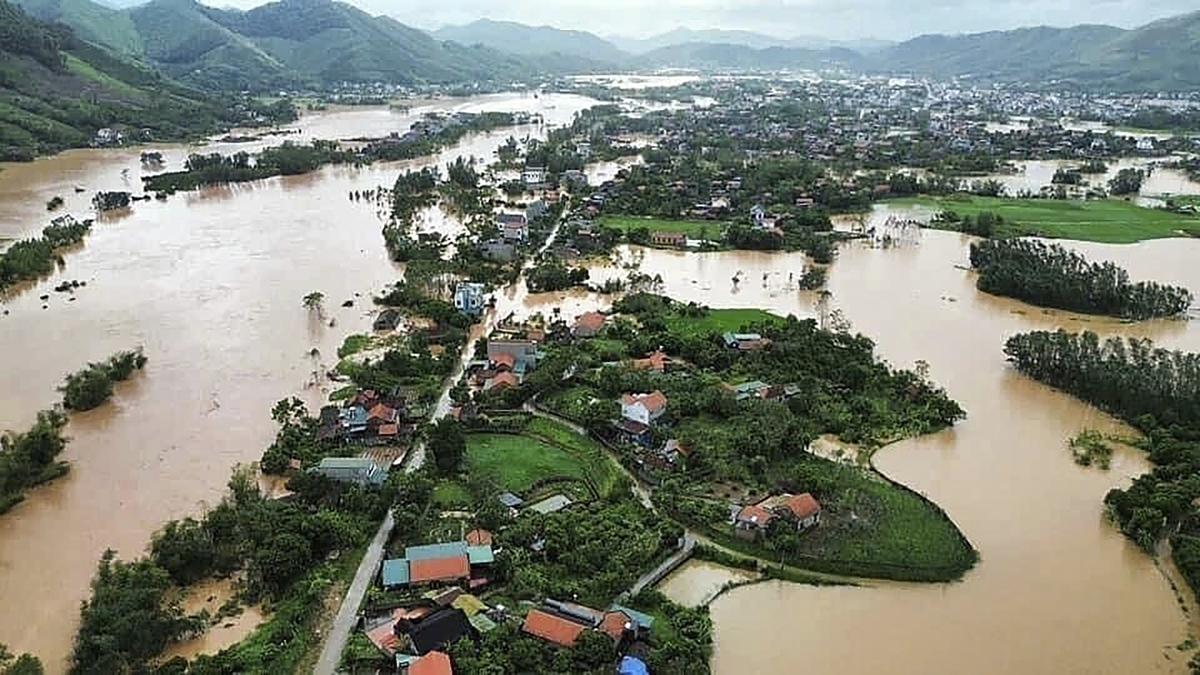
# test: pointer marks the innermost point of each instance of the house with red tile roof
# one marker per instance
(505, 380)
(433, 663)
(552, 628)
(751, 521)
(438, 569)
(643, 408)
(479, 537)
(589, 325)
(657, 362)
(803, 509)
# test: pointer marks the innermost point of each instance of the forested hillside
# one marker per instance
(56, 91)
(285, 44)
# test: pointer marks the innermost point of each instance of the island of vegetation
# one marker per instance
(30, 259)
(429, 135)
(28, 459)
(92, 386)
(1156, 391)
(1049, 275)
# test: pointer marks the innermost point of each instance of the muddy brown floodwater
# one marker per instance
(1057, 588)
(209, 283)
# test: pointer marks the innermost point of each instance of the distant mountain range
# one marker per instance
(291, 43)
(1164, 55)
(742, 38)
(517, 38)
(1161, 55)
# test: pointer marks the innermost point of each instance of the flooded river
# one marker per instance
(1057, 589)
(209, 283)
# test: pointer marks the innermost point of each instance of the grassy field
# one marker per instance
(1107, 221)
(874, 522)
(451, 494)
(692, 228)
(717, 320)
(516, 462)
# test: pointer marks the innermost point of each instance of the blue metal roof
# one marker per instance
(480, 555)
(395, 572)
(643, 620)
(450, 549)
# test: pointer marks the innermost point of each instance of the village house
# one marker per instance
(561, 623)
(668, 456)
(433, 663)
(643, 408)
(434, 631)
(745, 342)
(657, 361)
(589, 325)
(513, 227)
(469, 298)
(451, 562)
(357, 470)
(551, 504)
(752, 521)
(670, 239)
(519, 356)
(533, 175)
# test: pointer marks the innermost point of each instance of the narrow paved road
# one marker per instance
(347, 614)
(665, 567)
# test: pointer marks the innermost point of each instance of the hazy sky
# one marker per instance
(891, 19)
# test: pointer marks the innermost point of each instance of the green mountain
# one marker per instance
(181, 38)
(278, 45)
(1164, 55)
(57, 90)
(90, 21)
(324, 41)
(518, 38)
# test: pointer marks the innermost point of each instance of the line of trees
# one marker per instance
(1158, 392)
(1049, 275)
(288, 159)
(30, 259)
(88, 388)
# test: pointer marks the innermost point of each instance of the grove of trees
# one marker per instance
(93, 385)
(1049, 275)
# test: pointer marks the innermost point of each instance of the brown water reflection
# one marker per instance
(209, 283)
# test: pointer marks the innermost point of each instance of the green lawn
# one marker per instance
(717, 320)
(516, 462)
(1109, 221)
(451, 494)
(692, 228)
